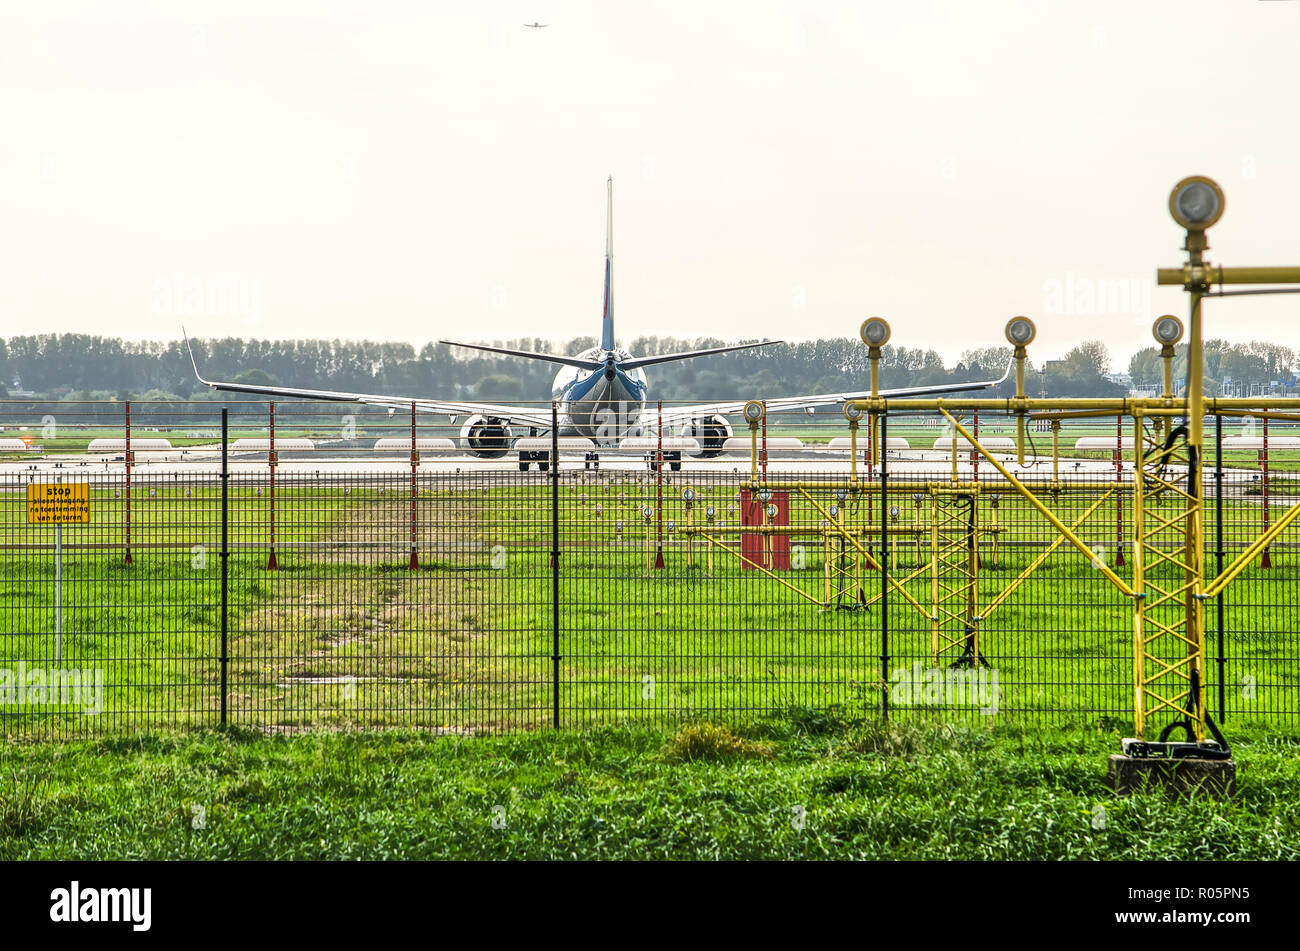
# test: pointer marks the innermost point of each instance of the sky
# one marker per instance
(416, 170)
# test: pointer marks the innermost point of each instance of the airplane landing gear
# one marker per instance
(527, 457)
(591, 461)
(673, 459)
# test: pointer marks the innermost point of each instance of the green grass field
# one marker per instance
(344, 635)
(801, 785)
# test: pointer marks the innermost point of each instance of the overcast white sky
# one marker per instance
(413, 170)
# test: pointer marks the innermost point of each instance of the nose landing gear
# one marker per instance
(527, 457)
(673, 459)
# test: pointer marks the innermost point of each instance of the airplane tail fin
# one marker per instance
(607, 318)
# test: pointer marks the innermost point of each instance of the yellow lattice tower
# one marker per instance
(846, 577)
(1168, 639)
(842, 565)
(954, 560)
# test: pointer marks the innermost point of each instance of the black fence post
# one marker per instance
(882, 436)
(1218, 552)
(225, 554)
(555, 564)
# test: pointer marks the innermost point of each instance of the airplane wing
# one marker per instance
(677, 415)
(525, 415)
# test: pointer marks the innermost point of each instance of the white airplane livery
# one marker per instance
(601, 394)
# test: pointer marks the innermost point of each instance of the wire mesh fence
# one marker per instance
(315, 569)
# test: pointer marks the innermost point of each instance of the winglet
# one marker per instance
(193, 362)
(1007, 375)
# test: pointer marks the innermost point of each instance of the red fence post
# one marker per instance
(127, 460)
(659, 483)
(871, 460)
(1119, 494)
(975, 477)
(415, 464)
(1266, 560)
(272, 461)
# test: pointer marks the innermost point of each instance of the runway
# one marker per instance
(305, 467)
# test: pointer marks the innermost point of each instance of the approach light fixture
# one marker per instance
(710, 511)
(772, 510)
(764, 495)
(875, 332)
(1168, 330)
(753, 411)
(1020, 331)
(852, 413)
(688, 494)
(833, 511)
(893, 512)
(1196, 202)
(647, 512)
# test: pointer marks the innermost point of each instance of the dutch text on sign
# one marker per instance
(58, 503)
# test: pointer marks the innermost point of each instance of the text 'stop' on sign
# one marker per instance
(58, 503)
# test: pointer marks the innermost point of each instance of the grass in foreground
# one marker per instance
(805, 786)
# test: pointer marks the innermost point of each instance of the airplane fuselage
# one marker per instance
(606, 404)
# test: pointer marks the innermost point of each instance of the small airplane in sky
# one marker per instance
(601, 394)
(537, 26)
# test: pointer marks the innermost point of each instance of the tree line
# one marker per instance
(88, 367)
(1226, 365)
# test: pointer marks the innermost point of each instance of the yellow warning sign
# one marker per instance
(58, 503)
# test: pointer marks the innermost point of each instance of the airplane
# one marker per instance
(537, 26)
(601, 395)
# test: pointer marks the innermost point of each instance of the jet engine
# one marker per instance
(486, 437)
(711, 432)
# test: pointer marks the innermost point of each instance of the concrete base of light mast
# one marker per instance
(1173, 769)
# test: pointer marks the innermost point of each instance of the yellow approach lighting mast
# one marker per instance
(1169, 634)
